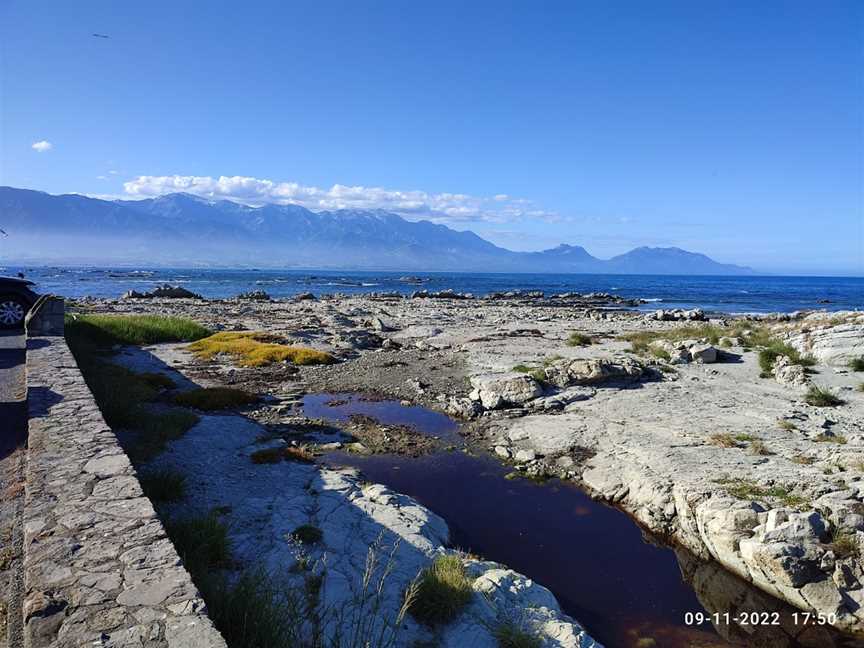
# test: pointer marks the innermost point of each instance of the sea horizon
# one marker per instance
(733, 294)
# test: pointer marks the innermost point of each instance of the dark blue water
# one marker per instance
(725, 294)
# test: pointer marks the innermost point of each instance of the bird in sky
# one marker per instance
(100, 36)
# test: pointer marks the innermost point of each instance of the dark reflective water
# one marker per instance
(593, 557)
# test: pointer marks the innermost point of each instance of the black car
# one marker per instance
(16, 299)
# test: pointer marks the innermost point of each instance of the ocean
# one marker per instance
(738, 294)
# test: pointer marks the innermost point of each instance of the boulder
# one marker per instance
(832, 345)
(254, 295)
(592, 371)
(497, 391)
(703, 353)
(165, 292)
(678, 315)
(787, 373)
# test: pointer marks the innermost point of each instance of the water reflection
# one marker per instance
(624, 585)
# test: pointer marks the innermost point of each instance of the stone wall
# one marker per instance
(99, 569)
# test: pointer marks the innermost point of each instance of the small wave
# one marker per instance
(370, 284)
(652, 299)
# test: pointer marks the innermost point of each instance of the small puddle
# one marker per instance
(626, 591)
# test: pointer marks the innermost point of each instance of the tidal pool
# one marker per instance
(624, 587)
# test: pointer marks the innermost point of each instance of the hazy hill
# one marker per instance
(181, 229)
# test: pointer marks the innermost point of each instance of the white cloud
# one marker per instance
(41, 146)
(414, 204)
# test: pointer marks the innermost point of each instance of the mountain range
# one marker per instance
(185, 230)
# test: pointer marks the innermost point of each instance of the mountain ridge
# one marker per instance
(184, 228)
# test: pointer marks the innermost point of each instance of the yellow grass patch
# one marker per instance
(255, 349)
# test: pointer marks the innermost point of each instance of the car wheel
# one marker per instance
(13, 309)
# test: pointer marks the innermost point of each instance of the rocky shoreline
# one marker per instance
(684, 435)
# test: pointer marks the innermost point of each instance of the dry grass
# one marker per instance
(724, 440)
(831, 438)
(786, 424)
(804, 460)
(251, 349)
(758, 447)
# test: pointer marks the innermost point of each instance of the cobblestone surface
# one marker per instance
(99, 569)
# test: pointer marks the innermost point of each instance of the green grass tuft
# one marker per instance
(104, 331)
(254, 611)
(510, 635)
(154, 431)
(749, 490)
(215, 398)
(163, 485)
(844, 545)
(157, 380)
(857, 364)
(821, 397)
(579, 339)
(443, 591)
(202, 542)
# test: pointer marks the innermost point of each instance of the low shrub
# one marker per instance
(215, 398)
(443, 591)
(251, 349)
(857, 364)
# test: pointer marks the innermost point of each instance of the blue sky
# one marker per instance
(730, 128)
